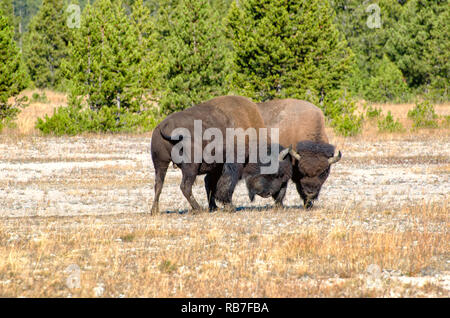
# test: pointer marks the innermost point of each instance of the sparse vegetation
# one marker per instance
(75, 120)
(373, 112)
(250, 257)
(423, 115)
(392, 216)
(75, 209)
(39, 98)
(446, 121)
(389, 124)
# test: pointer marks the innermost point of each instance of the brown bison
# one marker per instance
(302, 126)
(258, 182)
(218, 114)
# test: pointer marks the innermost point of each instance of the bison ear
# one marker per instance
(335, 158)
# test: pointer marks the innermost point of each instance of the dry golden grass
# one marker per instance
(26, 120)
(252, 253)
(400, 113)
(371, 133)
(223, 255)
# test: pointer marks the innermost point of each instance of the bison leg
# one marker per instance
(211, 188)
(307, 203)
(227, 183)
(279, 196)
(160, 174)
(186, 187)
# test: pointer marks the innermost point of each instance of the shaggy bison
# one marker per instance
(302, 125)
(217, 115)
(257, 181)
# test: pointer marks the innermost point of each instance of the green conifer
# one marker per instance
(12, 76)
(193, 54)
(99, 68)
(287, 49)
(412, 43)
(46, 44)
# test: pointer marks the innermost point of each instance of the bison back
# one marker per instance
(297, 120)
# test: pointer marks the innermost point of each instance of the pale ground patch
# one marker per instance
(379, 228)
(105, 175)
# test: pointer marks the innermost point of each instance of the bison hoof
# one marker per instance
(279, 205)
(154, 211)
(308, 205)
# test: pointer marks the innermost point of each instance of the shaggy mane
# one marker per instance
(316, 147)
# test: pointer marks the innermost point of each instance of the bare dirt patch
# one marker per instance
(380, 227)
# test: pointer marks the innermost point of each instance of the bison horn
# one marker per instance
(283, 154)
(335, 158)
(294, 154)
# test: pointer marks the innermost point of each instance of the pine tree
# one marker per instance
(12, 77)
(194, 54)
(145, 52)
(6, 6)
(104, 59)
(411, 41)
(438, 54)
(24, 10)
(387, 83)
(46, 44)
(287, 49)
(367, 39)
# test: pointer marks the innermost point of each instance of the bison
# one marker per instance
(258, 182)
(302, 126)
(218, 113)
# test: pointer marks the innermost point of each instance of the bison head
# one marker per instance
(266, 185)
(311, 168)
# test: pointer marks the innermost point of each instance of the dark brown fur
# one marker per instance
(302, 125)
(264, 185)
(221, 112)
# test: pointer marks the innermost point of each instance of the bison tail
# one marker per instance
(173, 139)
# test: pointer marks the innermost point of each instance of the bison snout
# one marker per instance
(310, 193)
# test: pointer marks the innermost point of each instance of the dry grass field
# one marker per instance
(74, 222)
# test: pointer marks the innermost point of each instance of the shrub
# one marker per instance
(73, 120)
(446, 121)
(387, 83)
(40, 98)
(423, 115)
(372, 113)
(341, 115)
(388, 124)
(347, 125)
(7, 115)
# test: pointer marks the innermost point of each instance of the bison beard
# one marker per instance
(302, 125)
(312, 169)
(227, 182)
